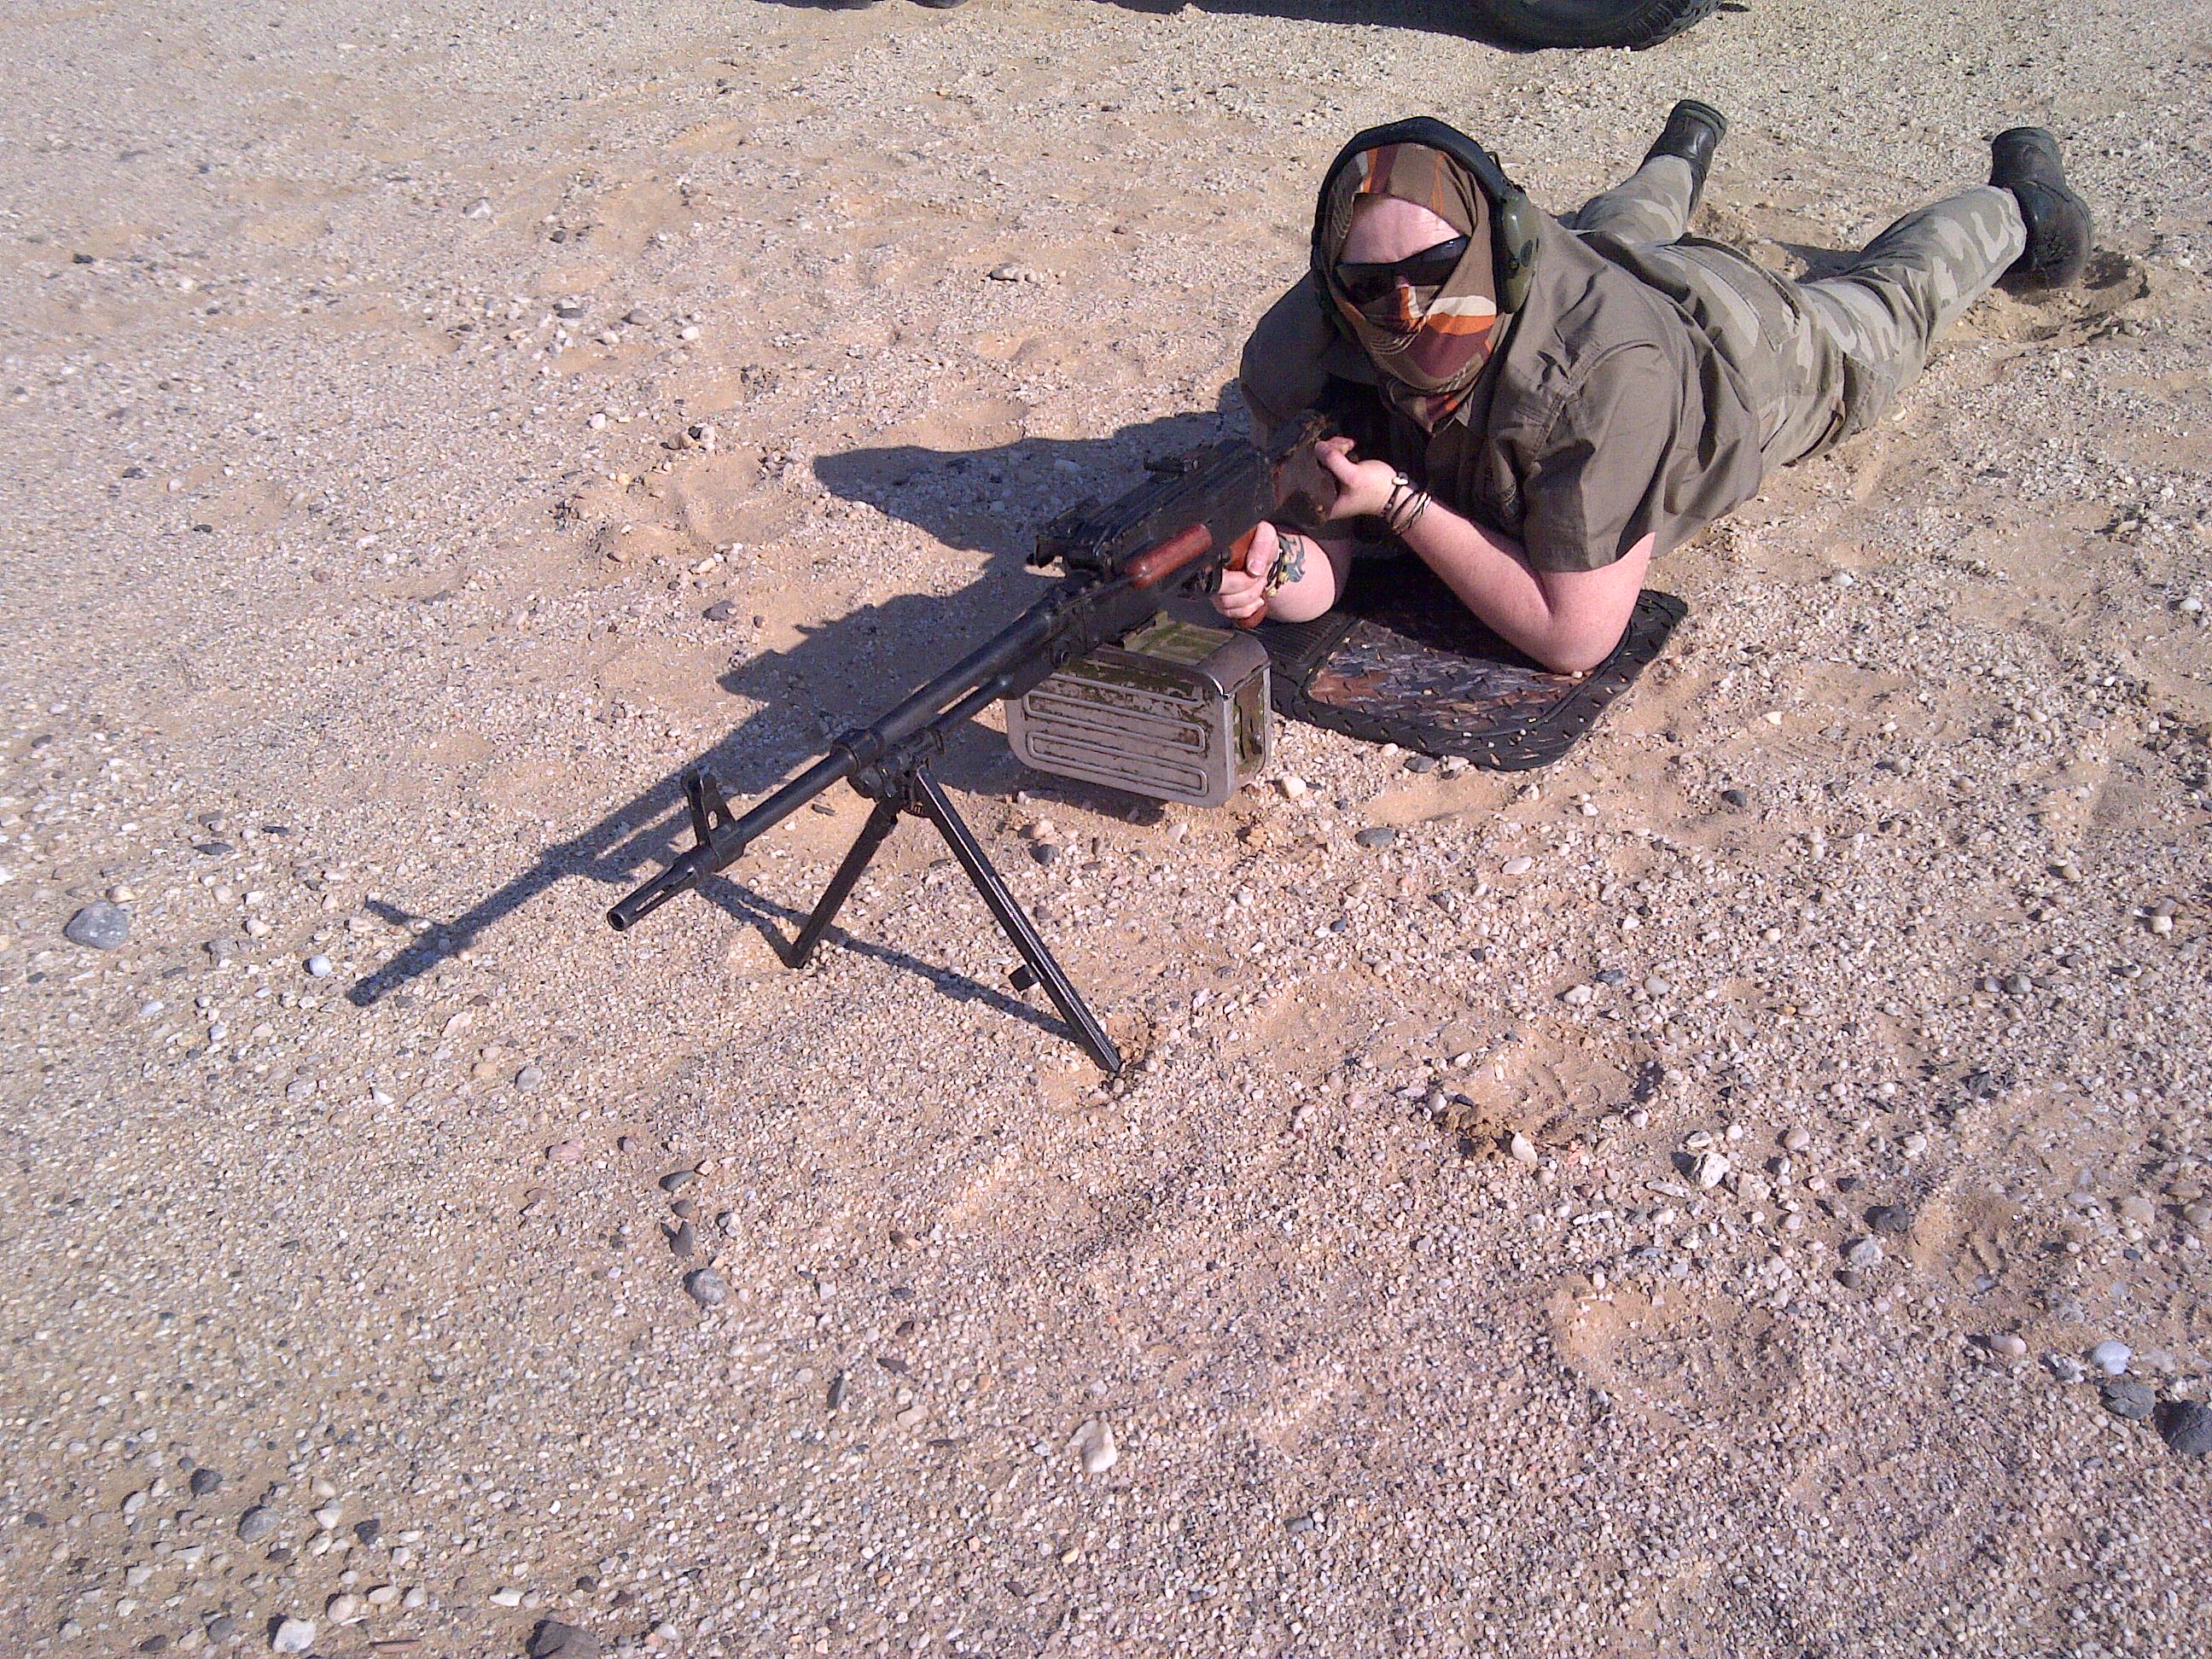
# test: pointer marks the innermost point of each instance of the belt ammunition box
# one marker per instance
(1176, 711)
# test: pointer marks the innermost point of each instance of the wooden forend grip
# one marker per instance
(1155, 564)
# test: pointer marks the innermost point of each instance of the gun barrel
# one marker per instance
(976, 680)
(681, 876)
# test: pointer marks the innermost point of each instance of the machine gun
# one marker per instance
(1168, 538)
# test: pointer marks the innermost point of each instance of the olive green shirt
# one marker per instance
(1614, 409)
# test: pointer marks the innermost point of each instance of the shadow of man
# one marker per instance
(847, 671)
(994, 501)
(1437, 16)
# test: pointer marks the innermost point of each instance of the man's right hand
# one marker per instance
(1363, 488)
(1243, 597)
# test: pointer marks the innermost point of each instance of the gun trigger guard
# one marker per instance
(710, 812)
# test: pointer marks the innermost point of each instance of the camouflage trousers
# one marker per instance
(1827, 357)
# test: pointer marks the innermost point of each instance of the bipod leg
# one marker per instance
(881, 822)
(929, 799)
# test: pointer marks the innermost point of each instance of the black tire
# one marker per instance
(1586, 22)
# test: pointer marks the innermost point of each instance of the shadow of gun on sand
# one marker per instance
(847, 671)
(620, 850)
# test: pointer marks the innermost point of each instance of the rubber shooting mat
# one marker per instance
(1400, 660)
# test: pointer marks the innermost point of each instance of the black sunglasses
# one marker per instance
(1363, 282)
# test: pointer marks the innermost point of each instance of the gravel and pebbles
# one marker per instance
(431, 432)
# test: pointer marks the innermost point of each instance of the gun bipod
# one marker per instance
(903, 783)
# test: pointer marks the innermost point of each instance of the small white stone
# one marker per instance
(329, 1515)
(294, 1636)
(1517, 866)
(1094, 1443)
(1712, 1170)
(2008, 1346)
(2111, 1357)
(343, 1609)
(1292, 787)
(1522, 1148)
(319, 967)
(1794, 1139)
(1913, 1144)
(506, 1597)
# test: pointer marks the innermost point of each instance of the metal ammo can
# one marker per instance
(1176, 711)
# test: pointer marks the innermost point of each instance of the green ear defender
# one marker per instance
(1513, 218)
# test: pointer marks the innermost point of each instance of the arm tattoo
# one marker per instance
(1289, 564)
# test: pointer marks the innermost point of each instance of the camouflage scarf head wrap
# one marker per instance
(1429, 344)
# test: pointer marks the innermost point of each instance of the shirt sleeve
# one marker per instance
(1291, 359)
(1594, 485)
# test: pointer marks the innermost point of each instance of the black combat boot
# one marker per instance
(2025, 161)
(1693, 131)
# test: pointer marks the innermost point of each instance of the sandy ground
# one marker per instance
(360, 596)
